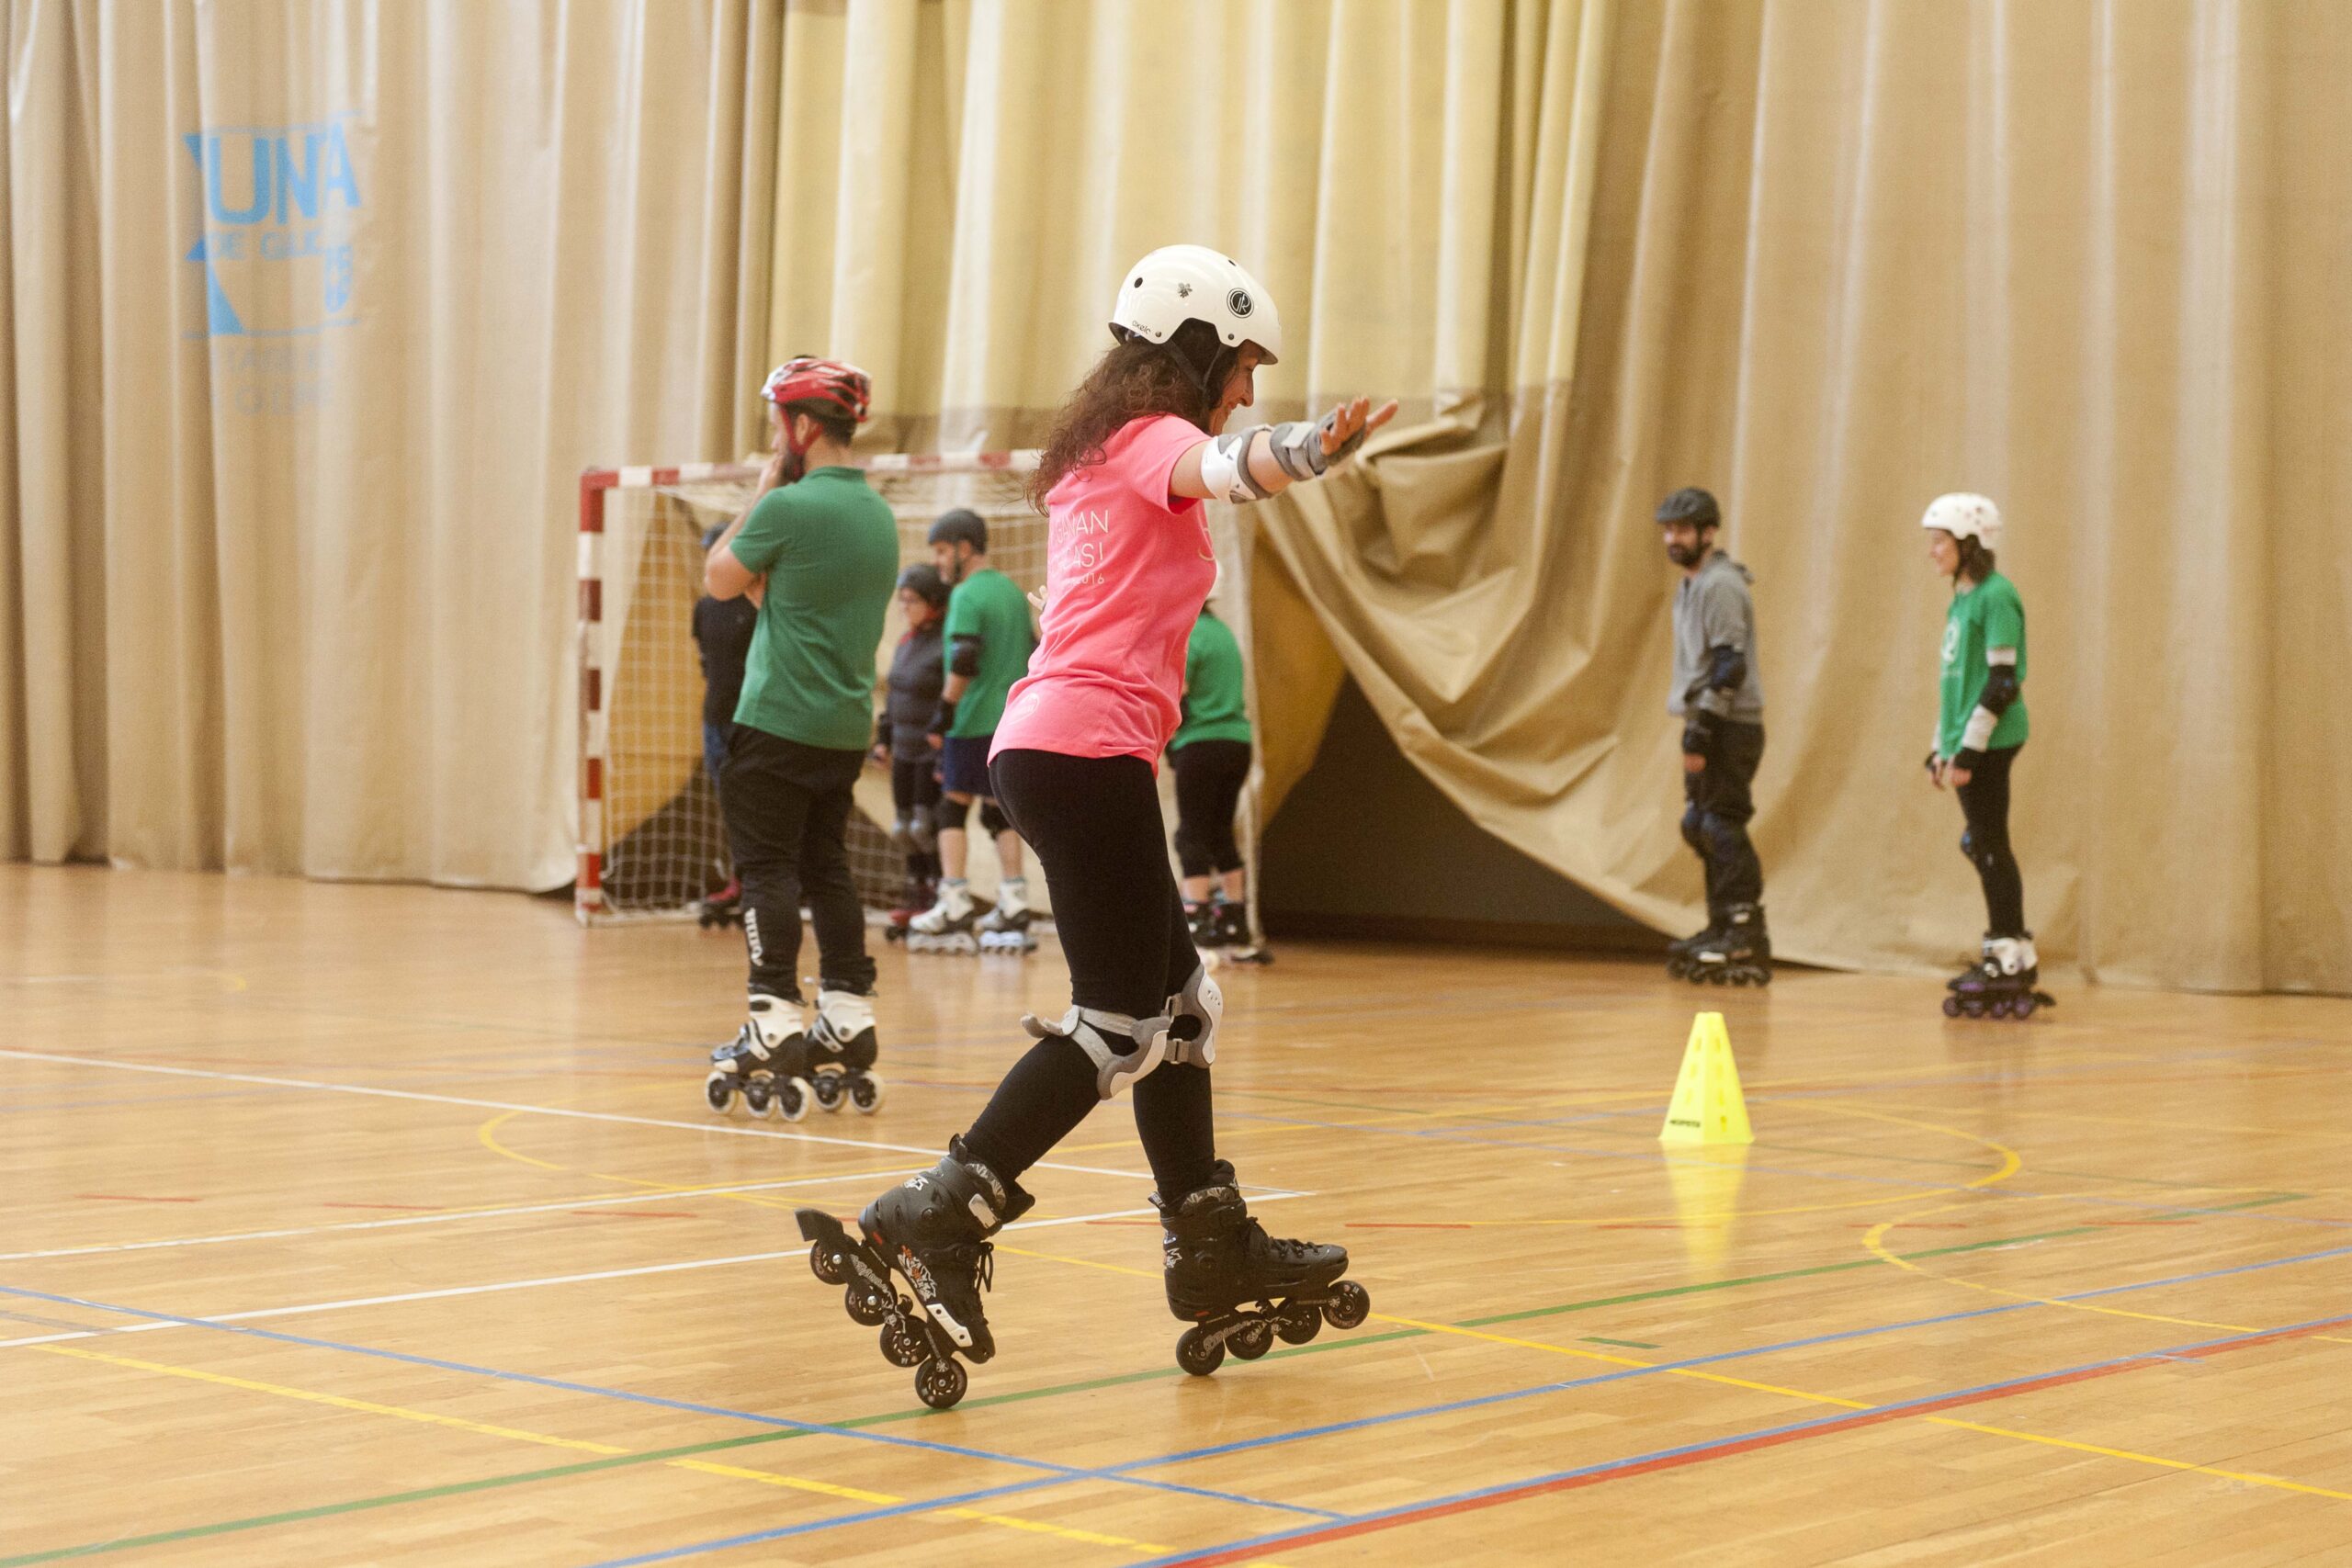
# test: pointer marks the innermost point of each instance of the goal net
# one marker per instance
(651, 843)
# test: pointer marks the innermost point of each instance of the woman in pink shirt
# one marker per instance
(1137, 448)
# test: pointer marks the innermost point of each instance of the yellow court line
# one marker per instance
(2219, 1130)
(1874, 1242)
(516, 1434)
(340, 1401)
(2249, 1477)
(2246, 1477)
(487, 1133)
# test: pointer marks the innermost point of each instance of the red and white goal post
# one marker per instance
(652, 844)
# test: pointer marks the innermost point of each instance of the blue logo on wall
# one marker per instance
(281, 207)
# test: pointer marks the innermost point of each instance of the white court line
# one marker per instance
(532, 1109)
(446, 1217)
(447, 1291)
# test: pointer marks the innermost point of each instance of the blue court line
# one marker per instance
(1617, 1375)
(1058, 1471)
(1600, 1467)
(1735, 1439)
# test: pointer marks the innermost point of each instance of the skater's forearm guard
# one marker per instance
(963, 656)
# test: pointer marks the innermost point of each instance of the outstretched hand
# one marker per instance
(1356, 418)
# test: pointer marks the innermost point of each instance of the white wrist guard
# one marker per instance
(1225, 469)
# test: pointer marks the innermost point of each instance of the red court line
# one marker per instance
(1730, 1446)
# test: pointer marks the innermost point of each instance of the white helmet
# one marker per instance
(1192, 283)
(1966, 516)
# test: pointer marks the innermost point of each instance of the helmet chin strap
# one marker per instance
(795, 453)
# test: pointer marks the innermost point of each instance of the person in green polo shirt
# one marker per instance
(989, 638)
(818, 551)
(1980, 725)
(1210, 752)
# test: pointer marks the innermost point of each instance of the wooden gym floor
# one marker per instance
(382, 1223)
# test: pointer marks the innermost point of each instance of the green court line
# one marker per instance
(1623, 1344)
(755, 1439)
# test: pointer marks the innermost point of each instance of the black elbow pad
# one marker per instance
(1726, 668)
(2000, 690)
(964, 657)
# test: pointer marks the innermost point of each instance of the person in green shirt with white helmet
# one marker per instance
(1210, 752)
(989, 638)
(1980, 727)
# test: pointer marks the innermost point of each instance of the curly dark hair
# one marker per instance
(1976, 562)
(1134, 378)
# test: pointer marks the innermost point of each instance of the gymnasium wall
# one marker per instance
(1828, 257)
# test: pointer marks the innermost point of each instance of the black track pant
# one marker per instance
(1209, 776)
(914, 782)
(787, 810)
(1095, 824)
(1714, 822)
(1985, 799)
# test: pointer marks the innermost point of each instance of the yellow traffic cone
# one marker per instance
(1708, 1107)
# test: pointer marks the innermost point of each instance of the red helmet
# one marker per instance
(806, 380)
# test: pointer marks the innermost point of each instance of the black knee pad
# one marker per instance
(1720, 837)
(1968, 845)
(1690, 831)
(952, 814)
(993, 819)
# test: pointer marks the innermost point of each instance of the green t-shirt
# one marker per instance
(829, 548)
(1213, 705)
(990, 606)
(1989, 615)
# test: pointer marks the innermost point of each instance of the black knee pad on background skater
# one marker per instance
(992, 819)
(1691, 835)
(1719, 837)
(1192, 851)
(951, 814)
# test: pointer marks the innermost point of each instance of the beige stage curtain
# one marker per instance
(1827, 257)
(315, 310)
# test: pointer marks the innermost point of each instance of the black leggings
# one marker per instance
(914, 785)
(1209, 776)
(787, 810)
(1985, 799)
(1095, 824)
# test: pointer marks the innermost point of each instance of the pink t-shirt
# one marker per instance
(1127, 572)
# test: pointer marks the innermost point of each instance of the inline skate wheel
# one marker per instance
(759, 1095)
(827, 1088)
(1198, 1354)
(862, 1307)
(1739, 978)
(866, 1093)
(941, 1383)
(1254, 1341)
(1298, 1325)
(718, 1092)
(1951, 1007)
(1350, 1304)
(902, 1347)
(791, 1097)
(826, 1264)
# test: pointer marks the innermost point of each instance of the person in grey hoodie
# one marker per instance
(1720, 699)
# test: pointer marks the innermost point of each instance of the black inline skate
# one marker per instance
(934, 1231)
(1240, 1287)
(1737, 954)
(922, 892)
(765, 1067)
(724, 908)
(2004, 983)
(1229, 934)
(1679, 953)
(842, 1050)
